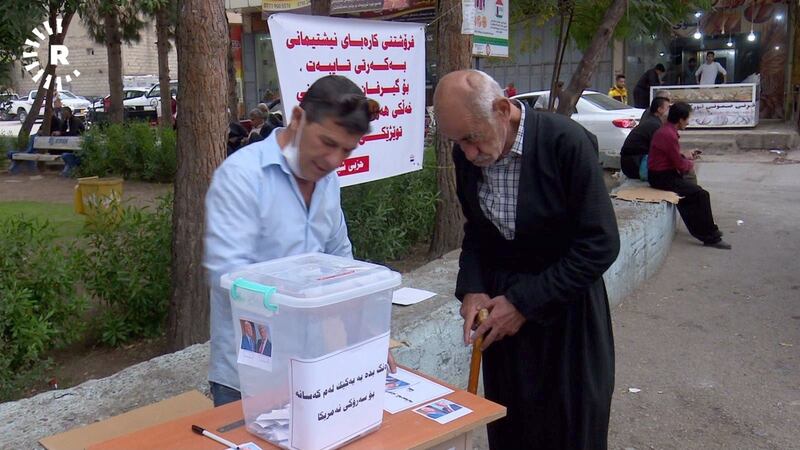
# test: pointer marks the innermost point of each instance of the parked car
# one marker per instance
(6, 100)
(608, 119)
(127, 94)
(151, 100)
(22, 107)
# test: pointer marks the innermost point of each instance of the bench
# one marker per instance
(59, 150)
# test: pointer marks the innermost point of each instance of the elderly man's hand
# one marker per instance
(469, 311)
(504, 320)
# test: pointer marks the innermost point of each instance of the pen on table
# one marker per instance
(210, 435)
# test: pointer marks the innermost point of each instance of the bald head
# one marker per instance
(470, 91)
(472, 111)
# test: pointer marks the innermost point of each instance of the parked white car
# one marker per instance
(152, 100)
(127, 94)
(22, 107)
(608, 119)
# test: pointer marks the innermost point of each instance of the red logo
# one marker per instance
(353, 166)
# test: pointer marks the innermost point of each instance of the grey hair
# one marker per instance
(257, 112)
(486, 90)
(663, 93)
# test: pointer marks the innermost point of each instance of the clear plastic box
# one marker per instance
(295, 316)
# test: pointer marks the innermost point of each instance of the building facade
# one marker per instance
(139, 62)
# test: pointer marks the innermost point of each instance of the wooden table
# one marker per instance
(404, 430)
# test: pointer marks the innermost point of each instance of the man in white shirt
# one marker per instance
(707, 73)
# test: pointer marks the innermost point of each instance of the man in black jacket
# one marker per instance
(637, 144)
(641, 93)
(70, 125)
(540, 232)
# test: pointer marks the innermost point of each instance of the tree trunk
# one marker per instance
(50, 70)
(47, 120)
(162, 46)
(114, 47)
(202, 126)
(454, 53)
(580, 79)
(233, 97)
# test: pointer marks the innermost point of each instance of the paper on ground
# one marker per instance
(405, 390)
(409, 296)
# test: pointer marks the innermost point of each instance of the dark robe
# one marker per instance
(641, 92)
(556, 375)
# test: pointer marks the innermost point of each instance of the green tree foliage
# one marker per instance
(643, 17)
(17, 19)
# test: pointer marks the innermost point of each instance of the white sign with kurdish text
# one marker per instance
(385, 59)
(338, 397)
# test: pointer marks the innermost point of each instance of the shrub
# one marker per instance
(127, 268)
(134, 151)
(386, 217)
(7, 144)
(40, 308)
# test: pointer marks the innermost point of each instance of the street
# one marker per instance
(12, 127)
(712, 340)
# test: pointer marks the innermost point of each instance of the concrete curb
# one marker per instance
(431, 331)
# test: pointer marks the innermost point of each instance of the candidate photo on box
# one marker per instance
(264, 343)
(248, 335)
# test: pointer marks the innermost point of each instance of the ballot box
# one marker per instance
(312, 337)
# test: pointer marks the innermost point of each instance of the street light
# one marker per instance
(698, 14)
(778, 17)
(751, 37)
(697, 34)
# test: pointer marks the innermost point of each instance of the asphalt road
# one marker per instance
(712, 341)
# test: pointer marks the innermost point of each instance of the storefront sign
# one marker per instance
(385, 59)
(491, 28)
(717, 106)
(283, 5)
(355, 6)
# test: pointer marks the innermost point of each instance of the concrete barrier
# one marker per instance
(431, 330)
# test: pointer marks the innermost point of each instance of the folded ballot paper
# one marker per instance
(274, 425)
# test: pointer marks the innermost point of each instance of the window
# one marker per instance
(604, 102)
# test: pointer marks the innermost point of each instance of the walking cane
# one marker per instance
(475, 362)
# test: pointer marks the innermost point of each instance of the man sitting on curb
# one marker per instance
(637, 144)
(667, 169)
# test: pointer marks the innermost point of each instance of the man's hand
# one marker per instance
(469, 311)
(504, 320)
(688, 155)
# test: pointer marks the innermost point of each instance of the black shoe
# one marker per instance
(720, 244)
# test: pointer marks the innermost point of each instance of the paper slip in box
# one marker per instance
(172, 408)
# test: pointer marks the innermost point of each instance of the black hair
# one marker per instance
(710, 53)
(339, 99)
(660, 67)
(622, 75)
(679, 111)
(657, 103)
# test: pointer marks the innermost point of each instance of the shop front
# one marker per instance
(750, 41)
